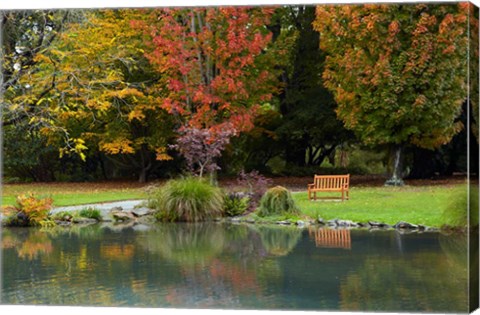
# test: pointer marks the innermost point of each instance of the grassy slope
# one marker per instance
(414, 204)
(74, 193)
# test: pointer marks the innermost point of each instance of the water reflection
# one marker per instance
(235, 266)
(185, 243)
(392, 285)
(331, 238)
(277, 240)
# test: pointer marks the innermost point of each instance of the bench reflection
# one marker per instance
(331, 238)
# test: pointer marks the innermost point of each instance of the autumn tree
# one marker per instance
(103, 94)
(474, 67)
(217, 64)
(397, 72)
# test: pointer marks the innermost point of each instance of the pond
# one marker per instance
(235, 267)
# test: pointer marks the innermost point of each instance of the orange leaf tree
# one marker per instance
(217, 64)
(397, 72)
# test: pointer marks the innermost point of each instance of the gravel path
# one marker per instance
(104, 207)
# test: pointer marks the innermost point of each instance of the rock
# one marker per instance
(363, 224)
(140, 212)
(115, 209)
(234, 220)
(122, 216)
(300, 223)
(405, 225)
(421, 227)
(285, 222)
(250, 220)
(332, 222)
(346, 223)
(320, 221)
(379, 225)
(81, 220)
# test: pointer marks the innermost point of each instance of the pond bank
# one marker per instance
(132, 212)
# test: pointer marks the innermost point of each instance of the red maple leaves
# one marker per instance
(210, 58)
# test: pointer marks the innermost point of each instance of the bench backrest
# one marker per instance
(331, 181)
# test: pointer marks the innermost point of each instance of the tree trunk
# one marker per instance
(143, 175)
(396, 166)
(146, 164)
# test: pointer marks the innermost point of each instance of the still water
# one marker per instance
(234, 267)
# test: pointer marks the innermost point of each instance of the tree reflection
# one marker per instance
(427, 281)
(29, 245)
(279, 240)
(187, 244)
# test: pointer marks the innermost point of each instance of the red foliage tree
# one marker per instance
(215, 62)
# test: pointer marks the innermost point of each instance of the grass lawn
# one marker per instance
(414, 204)
(67, 194)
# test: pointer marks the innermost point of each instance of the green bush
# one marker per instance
(277, 201)
(188, 199)
(91, 213)
(236, 204)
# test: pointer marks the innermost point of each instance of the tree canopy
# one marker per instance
(398, 72)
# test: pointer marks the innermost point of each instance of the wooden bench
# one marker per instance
(329, 183)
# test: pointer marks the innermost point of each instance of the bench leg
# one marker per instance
(343, 195)
(315, 195)
(309, 195)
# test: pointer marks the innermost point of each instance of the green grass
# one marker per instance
(67, 194)
(413, 204)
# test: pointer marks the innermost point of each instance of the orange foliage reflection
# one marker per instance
(117, 252)
(32, 247)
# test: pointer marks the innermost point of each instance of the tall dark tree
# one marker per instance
(310, 130)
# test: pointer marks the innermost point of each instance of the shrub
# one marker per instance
(254, 181)
(236, 204)
(277, 201)
(256, 185)
(91, 213)
(188, 199)
(30, 210)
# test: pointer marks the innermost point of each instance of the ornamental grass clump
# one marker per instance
(277, 201)
(188, 199)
